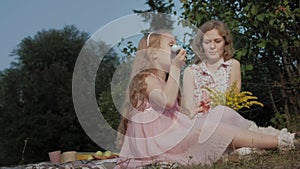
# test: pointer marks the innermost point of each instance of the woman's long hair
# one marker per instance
(198, 40)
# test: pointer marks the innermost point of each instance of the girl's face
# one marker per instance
(213, 45)
(163, 56)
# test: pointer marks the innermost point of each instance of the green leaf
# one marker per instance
(238, 54)
(282, 27)
(248, 77)
(243, 71)
(271, 22)
(228, 13)
(296, 43)
(285, 43)
(254, 10)
(262, 44)
(249, 67)
(275, 42)
(260, 17)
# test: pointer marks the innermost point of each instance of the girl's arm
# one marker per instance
(166, 96)
(235, 75)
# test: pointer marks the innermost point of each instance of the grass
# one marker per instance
(271, 159)
(268, 160)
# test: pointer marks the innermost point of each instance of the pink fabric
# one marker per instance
(174, 137)
(171, 136)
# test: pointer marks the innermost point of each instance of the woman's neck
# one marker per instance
(213, 65)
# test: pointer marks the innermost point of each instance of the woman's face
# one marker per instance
(213, 45)
(163, 56)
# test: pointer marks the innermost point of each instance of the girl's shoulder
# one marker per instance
(153, 79)
(151, 76)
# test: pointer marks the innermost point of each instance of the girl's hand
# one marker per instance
(180, 58)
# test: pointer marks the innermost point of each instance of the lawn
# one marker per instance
(271, 159)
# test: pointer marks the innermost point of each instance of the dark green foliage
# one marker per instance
(103, 88)
(36, 98)
(266, 39)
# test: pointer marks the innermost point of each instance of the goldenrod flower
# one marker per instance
(232, 98)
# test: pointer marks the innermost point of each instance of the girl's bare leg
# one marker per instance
(247, 138)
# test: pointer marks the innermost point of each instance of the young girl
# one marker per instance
(152, 124)
(216, 69)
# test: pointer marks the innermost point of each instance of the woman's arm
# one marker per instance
(188, 103)
(235, 75)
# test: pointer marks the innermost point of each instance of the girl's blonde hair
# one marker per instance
(136, 95)
(223, 31)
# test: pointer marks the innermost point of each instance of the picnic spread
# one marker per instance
(75, 160)
(78, 164)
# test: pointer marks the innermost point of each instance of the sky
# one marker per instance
(20, 18)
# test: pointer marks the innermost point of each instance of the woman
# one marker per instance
(215, 68)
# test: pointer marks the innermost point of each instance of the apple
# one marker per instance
(107, 153)
(99, 153)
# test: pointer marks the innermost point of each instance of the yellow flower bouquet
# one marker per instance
(232, 98)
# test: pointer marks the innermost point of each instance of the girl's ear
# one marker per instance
(155, 60)
(153, 55)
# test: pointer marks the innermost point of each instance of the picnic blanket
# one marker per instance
(80, 164)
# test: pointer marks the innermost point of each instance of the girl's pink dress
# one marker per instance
(170, 136)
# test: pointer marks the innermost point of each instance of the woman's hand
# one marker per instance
(205, 103)
(204, 106)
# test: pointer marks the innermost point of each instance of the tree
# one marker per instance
(161, 21)
(10, 117)
(36, 98)
(91, 53)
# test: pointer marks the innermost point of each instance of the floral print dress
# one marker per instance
(218, 80)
